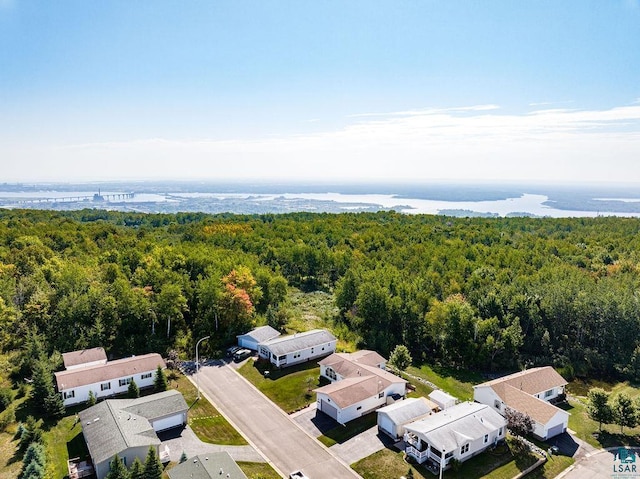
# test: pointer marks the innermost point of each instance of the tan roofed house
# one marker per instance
(359, 384)
(530, 392)
(84, 358)
(112, 377)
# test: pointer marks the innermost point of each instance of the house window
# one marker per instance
(331, 374)
(448, 455)
(105, 386)
(323, 348)
(486, 438)
(381, 395)
(69, 394)
(500, 432)
(146, 375)
(358, 408)
(464, 449)
(496, 403)
(548, 393)
(124, 382)
(296, 355)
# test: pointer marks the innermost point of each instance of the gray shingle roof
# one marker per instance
(402, 412)
(115, 425)
(262, 333)
(207, 466)
(299, 341)
(457, 425)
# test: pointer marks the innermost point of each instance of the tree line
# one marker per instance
(482, 293)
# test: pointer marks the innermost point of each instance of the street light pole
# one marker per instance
(198, 365)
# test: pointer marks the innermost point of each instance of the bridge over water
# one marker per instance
(73, 199)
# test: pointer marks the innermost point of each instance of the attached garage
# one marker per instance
(393, 418)
(258, 335)
(176, 420)
(555, 430)
(328, 409)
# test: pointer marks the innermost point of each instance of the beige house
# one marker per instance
(530, 392)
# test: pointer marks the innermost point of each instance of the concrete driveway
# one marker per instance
(184, 439)
(364, 444)
(598, 465)
(267, 427)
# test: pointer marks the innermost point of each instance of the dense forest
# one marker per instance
(487, 294)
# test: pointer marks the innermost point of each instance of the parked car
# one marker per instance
(241, 354)
(232, 350)
(297, 475)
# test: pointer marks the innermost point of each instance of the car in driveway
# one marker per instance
(241, 354)
(232, 350)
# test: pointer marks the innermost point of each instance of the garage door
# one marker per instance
(168, 422)
(555, 430)
(248, 343)
(329, 410)
(387, 426)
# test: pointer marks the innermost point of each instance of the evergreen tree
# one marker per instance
(133, 391)
(33, 471)
(137, 469)
(152, 466)
(160, 381)
(598, 406)
(91, 400)
(34, 461)
(42, 384)
(625, 413)
(117, 469)
(31, 432)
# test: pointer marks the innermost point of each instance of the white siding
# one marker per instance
(81, 393)
(560, 418)
(301, 356)
(369, 404)
(169, 422)
(486, 395)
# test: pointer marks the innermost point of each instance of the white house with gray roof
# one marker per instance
(107, 378)
(393, 418)
(128, 427)
(256, 336)
(298, 348)
(461, 431)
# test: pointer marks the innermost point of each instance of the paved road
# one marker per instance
(598, 465)
(267, 427)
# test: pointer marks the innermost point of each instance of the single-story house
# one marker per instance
(128, 427)
(207, 466)
(529, 392)
(84, 358)
(297, 348)
(339, 366)
(461, 431)
(393, 418)
(256, 336)
(359, 385)
(442, 399)
(112, 377)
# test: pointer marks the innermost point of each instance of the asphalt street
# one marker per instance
(287, 447)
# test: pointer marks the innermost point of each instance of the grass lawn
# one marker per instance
(10, 465)
(458, 383)
(389, 464)
(340, 434)
(258, 470)
(587, 429)
(205, 420)
(289, 388)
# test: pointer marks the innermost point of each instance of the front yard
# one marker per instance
(290, 388)
(391, 464)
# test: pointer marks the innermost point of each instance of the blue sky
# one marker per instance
(423, 89)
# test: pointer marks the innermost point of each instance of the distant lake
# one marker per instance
(167, 199)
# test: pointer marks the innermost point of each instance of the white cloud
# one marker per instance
(483, 143)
